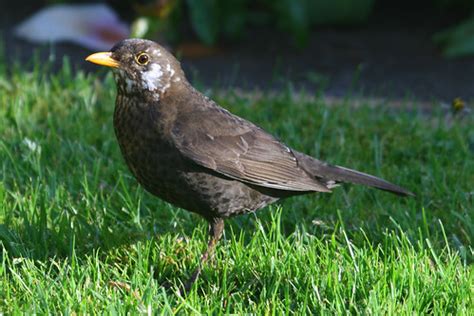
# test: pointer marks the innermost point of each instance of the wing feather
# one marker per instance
(240, 150)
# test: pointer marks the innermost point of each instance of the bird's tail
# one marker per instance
(331, 174)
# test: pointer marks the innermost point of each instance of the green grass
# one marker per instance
(78, 235)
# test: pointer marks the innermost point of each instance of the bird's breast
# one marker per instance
(141, 135)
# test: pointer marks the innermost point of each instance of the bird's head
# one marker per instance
(141, 67)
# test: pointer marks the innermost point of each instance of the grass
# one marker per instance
(78, 235)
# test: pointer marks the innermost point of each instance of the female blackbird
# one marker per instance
(187, 150)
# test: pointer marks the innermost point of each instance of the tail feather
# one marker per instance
(331, 173)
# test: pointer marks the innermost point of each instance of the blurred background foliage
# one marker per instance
(214, 21)
(218, 20)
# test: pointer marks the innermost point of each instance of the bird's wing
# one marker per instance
(229, 145)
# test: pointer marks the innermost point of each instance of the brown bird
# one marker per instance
(187, 150)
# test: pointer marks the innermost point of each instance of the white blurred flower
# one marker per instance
(32, 145)
(95, 26)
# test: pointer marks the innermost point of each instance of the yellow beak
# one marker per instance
(104, 59)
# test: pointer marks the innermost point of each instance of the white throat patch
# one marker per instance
(151, 79)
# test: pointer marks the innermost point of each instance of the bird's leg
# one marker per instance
(216, 227)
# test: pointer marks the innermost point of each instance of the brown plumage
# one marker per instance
(184, 148)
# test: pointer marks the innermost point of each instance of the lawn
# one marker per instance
(78, 235)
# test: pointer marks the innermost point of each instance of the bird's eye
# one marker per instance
(142, 58)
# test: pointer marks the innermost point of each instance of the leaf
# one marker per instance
(293, 16)
(204, 19)
(233, 17)
(140, 27)
(457, 41)
(339, 12)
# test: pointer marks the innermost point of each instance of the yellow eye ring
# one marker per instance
(142, 59)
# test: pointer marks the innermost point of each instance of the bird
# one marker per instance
(184, 148)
